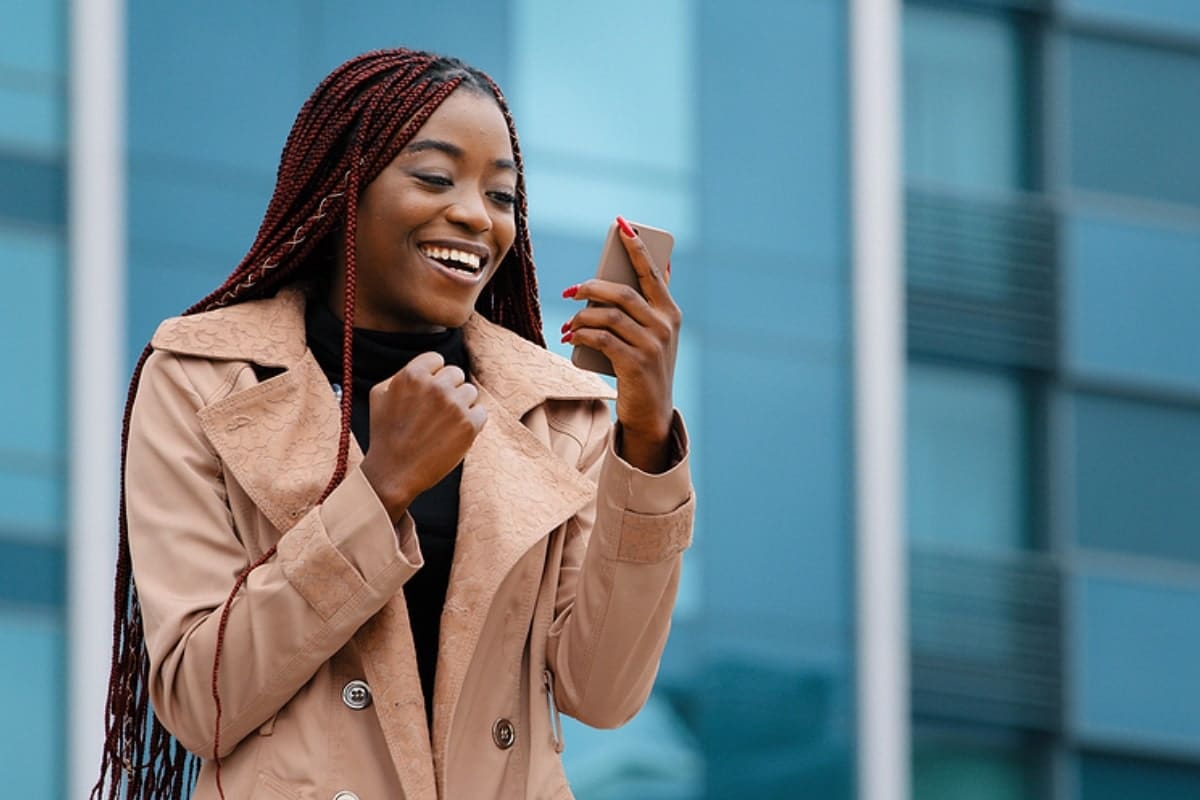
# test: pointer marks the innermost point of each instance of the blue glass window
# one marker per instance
(33, 76)
(32, 314)
(606, 118)
(1134, 120)
(952, 764)
(1137, 469)
(964, 100)
(31, 694)
(968, 454)
(1131, 294)
(1115, 777)
(1168, 16)
(1134, 672)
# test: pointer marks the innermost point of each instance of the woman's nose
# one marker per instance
(470, 211)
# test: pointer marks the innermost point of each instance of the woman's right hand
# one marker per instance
(423, 420)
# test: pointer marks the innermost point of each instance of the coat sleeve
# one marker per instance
(335, 568)
(618, 580)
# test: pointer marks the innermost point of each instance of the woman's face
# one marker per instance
(435, 224)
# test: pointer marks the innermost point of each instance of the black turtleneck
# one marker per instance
(379, 355)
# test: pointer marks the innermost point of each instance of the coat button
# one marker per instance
(345, 796)
(503, 733)
(356, 695)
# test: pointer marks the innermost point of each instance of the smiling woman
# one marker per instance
(374, 537)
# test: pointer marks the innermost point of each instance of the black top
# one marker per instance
(379, 355)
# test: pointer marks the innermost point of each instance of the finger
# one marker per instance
(450, 375)
(650, 276)
(429, 362)
(614, 320)
(466, 394)
(617, 350)
(626, 298)
(478, 417)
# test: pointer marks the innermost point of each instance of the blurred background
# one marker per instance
(1051, 178)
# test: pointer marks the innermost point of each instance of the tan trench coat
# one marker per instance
(564, 574)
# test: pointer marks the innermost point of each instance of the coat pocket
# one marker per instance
(268, 788)
(556, 734)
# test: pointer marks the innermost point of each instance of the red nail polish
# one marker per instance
(568, 336)
(570, 291)
(566, 326)
(625, 227)
(668, 268)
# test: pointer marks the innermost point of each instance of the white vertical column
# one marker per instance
(879, 348)
(96, 233)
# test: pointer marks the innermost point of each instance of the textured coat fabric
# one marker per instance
(565, 570)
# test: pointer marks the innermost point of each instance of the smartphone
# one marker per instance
(615, 266)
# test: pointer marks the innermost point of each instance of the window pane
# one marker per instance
(1137, 469)
(1171, 16)
(607, 118)
(967, 456)
(1123, 778)
(1135, 664)
(963, 99)
(1134, 120)
(946, 767)
(31, 694)
(1131, 293)
(31, 453)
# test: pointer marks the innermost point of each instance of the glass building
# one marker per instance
(1051, 186)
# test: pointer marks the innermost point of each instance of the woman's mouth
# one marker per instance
(454, 258)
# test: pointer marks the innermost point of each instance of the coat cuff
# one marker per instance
(341, 547)
(656, 511)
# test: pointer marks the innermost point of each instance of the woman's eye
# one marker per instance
(433, 180)
(504, 198)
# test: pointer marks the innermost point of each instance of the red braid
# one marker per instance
(349, 129)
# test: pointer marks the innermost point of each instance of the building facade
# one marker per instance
(1051, 185)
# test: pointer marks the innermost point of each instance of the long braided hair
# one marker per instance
(356, 121)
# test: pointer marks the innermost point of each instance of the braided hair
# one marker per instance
(356, 121)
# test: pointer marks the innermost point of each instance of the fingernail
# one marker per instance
(625, 227)
(571, 291)
(668, 267)
(568, 336)
(566, 326)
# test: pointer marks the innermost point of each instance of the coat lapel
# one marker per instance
(514, 492)
(279, 440)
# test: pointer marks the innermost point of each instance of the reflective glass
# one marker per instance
(33, 76)
(967, 456)
(32, 119)
(1133, 675)
(954, 766)
(1116, 777)
(1134, 120)
(1169, 16)
(32, 313)
(32, 692)
(963, 99)
(1137, 466)
(606, 117)
(1131, 292)
(33, 38)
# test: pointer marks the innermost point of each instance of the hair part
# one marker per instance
(355, 122)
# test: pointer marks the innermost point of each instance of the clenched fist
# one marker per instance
(423, 421)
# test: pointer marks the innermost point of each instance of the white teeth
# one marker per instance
(469, 260)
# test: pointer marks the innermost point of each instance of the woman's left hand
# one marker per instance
(639, 333)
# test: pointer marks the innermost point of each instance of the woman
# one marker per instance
(373, 535)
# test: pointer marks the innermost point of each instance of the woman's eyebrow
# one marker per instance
(454, 151)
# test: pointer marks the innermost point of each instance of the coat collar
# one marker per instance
(519, 374)
(279, 440)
